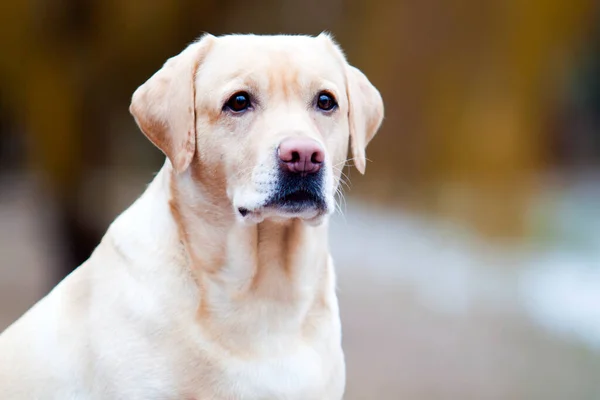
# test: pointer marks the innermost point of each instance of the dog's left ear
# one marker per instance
(365, 114)
(164, 107)
(365, 106)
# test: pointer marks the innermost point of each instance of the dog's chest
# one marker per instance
(296, 376)
(303, 374)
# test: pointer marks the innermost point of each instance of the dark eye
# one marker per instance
(239, 102)
(326, 101)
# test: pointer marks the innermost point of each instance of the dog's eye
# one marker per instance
(239, 102)
(326, 101)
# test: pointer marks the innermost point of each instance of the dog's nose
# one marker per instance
(301, 155)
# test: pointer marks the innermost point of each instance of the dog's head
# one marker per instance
(261, 123)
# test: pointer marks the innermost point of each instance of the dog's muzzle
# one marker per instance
(297, 193)
(299, 188)
(300, 179)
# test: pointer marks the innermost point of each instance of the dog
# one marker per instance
(217, 282)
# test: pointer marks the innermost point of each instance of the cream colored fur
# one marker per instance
(185, 298)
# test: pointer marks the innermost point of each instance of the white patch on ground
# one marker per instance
(452, 271)
(562, 293)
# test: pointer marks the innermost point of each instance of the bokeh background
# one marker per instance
(468, 256)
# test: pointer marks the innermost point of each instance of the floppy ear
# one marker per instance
(365, 114)
(365, 106)
(164, 107)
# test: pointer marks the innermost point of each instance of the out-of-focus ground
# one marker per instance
(430, 311)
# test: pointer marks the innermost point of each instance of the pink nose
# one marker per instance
(301, 155)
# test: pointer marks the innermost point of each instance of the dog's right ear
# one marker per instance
(164, 107)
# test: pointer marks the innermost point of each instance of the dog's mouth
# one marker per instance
(296, 194)
(297, 201)
(291, 204)
(294, 197)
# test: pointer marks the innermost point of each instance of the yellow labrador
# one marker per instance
(217, 282)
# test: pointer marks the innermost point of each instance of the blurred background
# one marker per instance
(468, 256)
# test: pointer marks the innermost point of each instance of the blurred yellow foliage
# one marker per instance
(467, 84)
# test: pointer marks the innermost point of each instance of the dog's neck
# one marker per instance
(220, 245)
(280, 269)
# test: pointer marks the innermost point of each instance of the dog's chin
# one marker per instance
(300, 205)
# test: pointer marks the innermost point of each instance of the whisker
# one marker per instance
(344, 179)
(340, 198)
